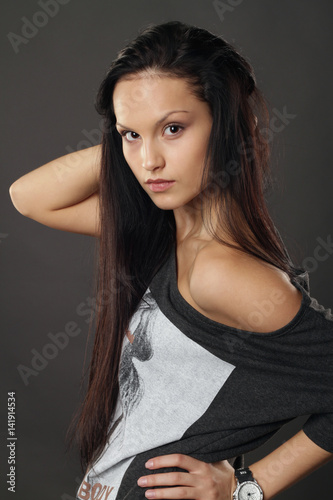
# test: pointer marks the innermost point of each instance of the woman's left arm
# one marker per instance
(290, 462)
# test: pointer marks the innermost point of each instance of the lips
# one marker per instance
(154, 181)
(159, 185)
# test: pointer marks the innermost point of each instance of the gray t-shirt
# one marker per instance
(194, 386)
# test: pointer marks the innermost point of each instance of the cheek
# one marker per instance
(188, 156)
(196, 157)
(195, 148)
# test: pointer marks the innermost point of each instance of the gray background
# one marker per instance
(49, 87)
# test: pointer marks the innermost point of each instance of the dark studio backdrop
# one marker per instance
(54, 56)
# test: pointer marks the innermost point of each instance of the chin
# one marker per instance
(169, 204)
(165, 205)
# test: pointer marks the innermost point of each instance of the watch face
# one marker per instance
(249, 491)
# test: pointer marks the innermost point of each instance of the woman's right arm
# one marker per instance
(63, 193)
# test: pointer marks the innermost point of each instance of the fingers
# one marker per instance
(199, 482)
(171, 493)
(176, 460)
(168, 478)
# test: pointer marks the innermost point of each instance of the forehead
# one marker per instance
(151, 94)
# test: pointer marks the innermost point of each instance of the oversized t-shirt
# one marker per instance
(191, 385)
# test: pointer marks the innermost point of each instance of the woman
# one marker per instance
(207, 340)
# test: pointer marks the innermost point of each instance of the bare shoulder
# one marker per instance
(242, 291)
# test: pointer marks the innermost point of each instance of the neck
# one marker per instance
(189, 223)
(190, 226)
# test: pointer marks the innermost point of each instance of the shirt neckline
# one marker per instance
(193, 315)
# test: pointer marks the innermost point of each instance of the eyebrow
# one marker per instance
(163, 117)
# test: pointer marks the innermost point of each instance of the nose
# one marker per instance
(151, 156)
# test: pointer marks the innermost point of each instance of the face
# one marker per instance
(165, 131)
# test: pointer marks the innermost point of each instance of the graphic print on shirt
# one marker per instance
(131, 385)
(139, 347)
(166, 383)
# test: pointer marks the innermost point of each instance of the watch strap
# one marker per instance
(244, 474)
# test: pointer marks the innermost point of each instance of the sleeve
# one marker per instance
(319, 428)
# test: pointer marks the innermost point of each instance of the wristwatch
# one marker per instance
(247, 487)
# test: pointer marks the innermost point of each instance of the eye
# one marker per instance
(128, 134)
(174, 128)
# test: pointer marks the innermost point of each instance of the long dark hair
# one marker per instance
(137, 236)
